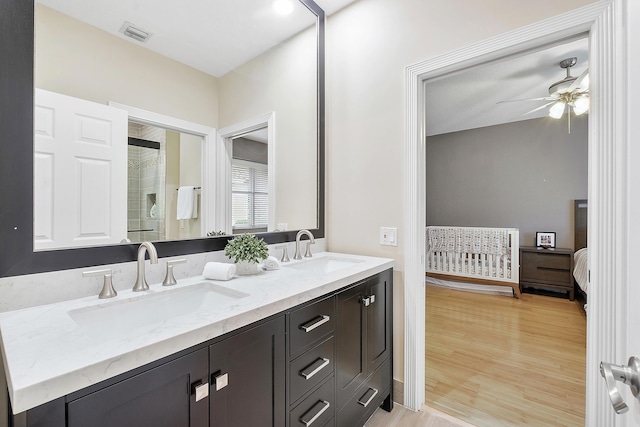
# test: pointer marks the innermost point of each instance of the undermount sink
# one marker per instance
(153, 307)
(324, 265)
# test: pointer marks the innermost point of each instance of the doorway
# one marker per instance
(605, 188)
(505, 164)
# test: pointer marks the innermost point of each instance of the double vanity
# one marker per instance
(309, 344)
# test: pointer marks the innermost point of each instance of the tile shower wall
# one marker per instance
(146, 174)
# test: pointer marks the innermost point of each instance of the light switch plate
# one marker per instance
(389, 236)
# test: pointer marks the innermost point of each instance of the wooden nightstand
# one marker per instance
(547, 268)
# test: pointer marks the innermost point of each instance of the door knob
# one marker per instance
(627, 374)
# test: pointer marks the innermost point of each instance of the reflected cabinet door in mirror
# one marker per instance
(178, 78)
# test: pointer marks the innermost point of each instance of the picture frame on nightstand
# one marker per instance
(546, 239)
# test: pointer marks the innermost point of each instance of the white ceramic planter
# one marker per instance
(245, 268)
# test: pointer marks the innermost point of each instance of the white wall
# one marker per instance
(369, 44)
(282, 80)
(524, 174)
(79, 60)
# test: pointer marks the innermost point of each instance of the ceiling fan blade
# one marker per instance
(544, 98)
(535, 109)
(578, 82)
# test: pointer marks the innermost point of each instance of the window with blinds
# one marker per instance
(250, 196)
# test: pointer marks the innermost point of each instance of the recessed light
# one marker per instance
(283, 7)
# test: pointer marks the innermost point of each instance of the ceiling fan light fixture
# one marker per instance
(557, 110)
(581, 105)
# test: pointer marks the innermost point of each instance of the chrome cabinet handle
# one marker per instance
(365, 301)
(372, 299)
(369, 395)
(319, 409)
(315, 367)
(311, 325)
(200, 389)
(629, 375)
(221, 381)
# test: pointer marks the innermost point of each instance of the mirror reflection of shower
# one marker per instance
(159, 162)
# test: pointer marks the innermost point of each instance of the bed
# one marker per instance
(474, 254)
(581, 255)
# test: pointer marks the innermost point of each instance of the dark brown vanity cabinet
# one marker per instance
(363, 359)
(324, 363)
(161, 396)
(248, 378)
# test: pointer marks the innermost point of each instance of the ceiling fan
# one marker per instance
(570, 94)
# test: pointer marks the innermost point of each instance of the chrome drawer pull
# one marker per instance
(315, 367)
(310, 326)
(373, 392)
(308, 421)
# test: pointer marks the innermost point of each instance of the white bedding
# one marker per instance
(580, 269)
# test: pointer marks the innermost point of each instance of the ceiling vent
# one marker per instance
(136, 33)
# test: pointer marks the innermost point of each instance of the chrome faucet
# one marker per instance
(309, 243)
(141, 281)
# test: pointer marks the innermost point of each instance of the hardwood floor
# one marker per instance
(496, 361)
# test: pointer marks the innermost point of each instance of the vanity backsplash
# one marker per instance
(31, 290)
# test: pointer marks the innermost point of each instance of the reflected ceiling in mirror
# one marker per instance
(211, 63)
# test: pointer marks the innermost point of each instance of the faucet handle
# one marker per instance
(285, 253)
(170, 279)
(307, 253)
(108, 290)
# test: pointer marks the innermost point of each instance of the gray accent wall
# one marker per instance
(524, 174)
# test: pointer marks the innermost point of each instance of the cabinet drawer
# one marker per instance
(317, 409)
(309, 325)
(542, 275)
(367, 398)
(309, 369)
(547, 260)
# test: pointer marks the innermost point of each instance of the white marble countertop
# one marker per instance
(47, 355)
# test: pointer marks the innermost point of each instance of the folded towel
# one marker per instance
(271, 263)
(219, 271)
(187, 202)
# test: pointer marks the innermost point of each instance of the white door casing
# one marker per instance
(225, 138)
(609, 183)
(80, 172)
(211, 179)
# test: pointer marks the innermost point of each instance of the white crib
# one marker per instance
(475, 254)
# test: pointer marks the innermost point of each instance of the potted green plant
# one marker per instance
(246, 250)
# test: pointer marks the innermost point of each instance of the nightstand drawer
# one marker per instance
(548, 260)
(542, 274)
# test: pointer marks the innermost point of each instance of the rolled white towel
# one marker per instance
(219, 271)
(271, 263)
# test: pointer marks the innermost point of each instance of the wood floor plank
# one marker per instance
(497, 361)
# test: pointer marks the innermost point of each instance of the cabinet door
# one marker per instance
(351, 342)
(160, 396)
(248, 378)
(379, 321)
